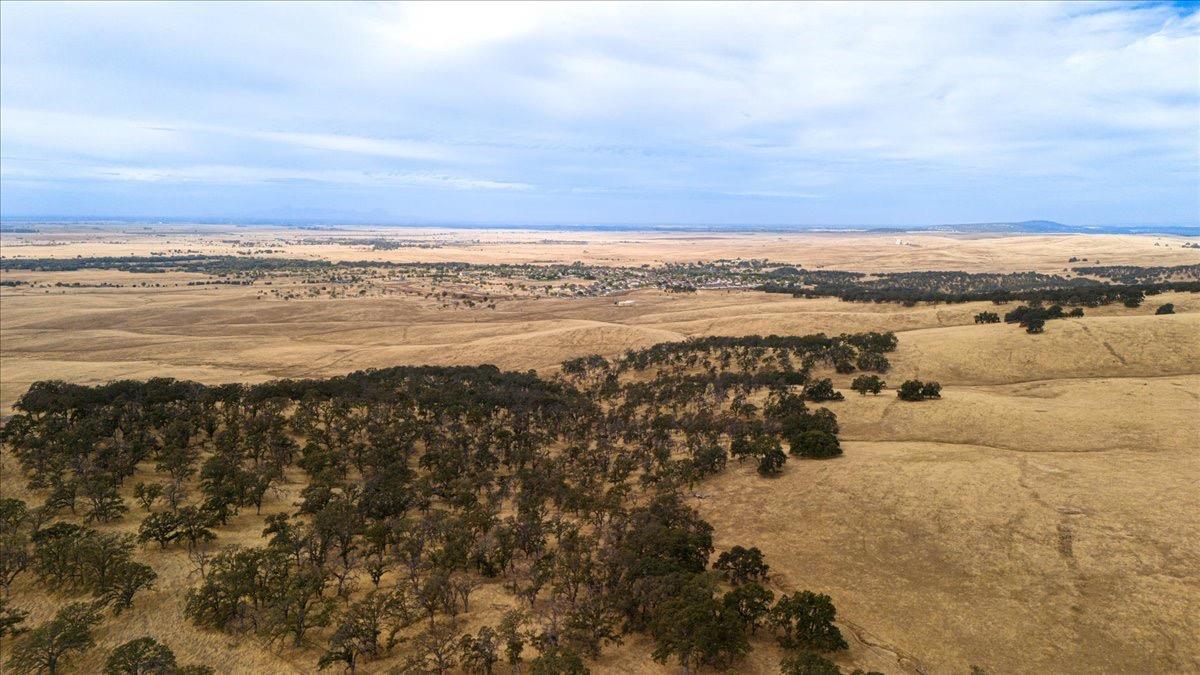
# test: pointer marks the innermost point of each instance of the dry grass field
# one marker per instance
(894, 252)
(1044, 516)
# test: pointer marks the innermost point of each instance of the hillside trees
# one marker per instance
(74, 558)
(265, 589)
(553, 659)
(48, 647)
(804, 620)
(874, 361)
(808, 663)
(12, 620)
(147, 494)
(1132, 297)
(822, 390)
(698, 629)
(868, 384)
(987, 317)
(770, 463)
(368, 629)
(751, 602)
(657, 547)
(741, 565)
(420, 484)
(815, 444)
(909, 288)
(1034, 317)
(479, 653)
(15, 552)
(141, 656)
(128, 578)
(916, 390)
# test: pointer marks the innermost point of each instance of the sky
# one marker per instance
(543, 113)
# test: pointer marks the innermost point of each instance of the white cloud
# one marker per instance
(451, 27)
(50, 131)
(341, 143)
(108, 136)
(757, 99)
(237, 175)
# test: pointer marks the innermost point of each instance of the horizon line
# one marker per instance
(1030, 226)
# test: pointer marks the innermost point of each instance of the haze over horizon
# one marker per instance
(537, 113)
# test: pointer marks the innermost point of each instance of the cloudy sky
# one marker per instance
(542, 113)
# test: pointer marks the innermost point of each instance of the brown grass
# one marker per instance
(854, 251)
(1043, 517)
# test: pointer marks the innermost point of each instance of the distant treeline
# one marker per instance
(450, 389)
(225, 264)
(913, 287)
(205, 264)
(1129, 274)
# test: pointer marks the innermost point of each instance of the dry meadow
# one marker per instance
(1044, 516)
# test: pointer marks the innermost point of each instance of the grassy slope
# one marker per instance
(1042, 517)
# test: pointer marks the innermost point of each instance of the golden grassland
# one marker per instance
(863, 251)
(1044, 516)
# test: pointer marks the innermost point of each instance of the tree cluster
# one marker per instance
(70, 558)
(916, 390)
(868, 384)
(421, 484)
(1033, 317)
(987, 317)
(909, 288)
